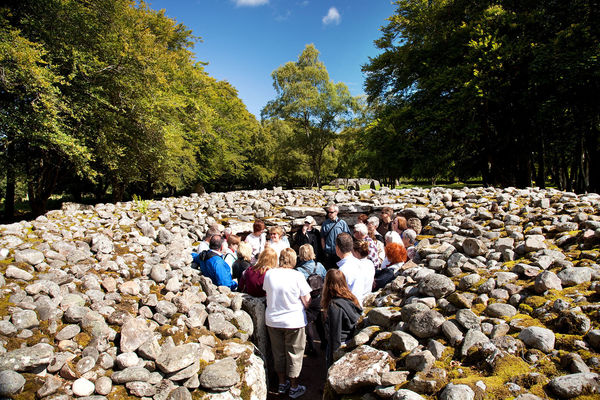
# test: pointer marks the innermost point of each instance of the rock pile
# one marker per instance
(102, 302)
(502, 302)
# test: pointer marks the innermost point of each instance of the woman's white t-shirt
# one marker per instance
(257, 243)
(284, 287)
(367, 270)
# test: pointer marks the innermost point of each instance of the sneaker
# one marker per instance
(297, 391)
(283, 387)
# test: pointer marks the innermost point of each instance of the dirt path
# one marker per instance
(313, 377)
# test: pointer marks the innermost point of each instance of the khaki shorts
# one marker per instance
(287, 346)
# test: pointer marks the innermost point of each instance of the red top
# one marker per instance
(251, 282)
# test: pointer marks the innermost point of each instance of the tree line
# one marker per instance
(504, 90)
(107, 98)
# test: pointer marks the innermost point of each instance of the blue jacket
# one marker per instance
(213, 266)
(310, 267)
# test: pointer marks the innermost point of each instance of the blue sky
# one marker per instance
(245, 40)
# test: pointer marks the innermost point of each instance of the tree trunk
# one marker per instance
(9, 200)
(541, 172)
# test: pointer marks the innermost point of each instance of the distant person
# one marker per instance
(409, 238)
(244, 255)
(348, 264)
(308, 234)
(386, 218)
(204, 244)
(330, 230)
(277, 241)
(399, 224)
(230, 253)
(372, 224)
(396, 255)
(414, 223)
(341, 311)
(252, 278)
(212, 264)
(257, 239)
(361, 252)
(288, 295)
(361, 232)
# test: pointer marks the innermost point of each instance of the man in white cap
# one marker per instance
(308, 234)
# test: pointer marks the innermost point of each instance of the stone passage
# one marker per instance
(501, 301)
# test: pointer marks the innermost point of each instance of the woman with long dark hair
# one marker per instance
(341, 311)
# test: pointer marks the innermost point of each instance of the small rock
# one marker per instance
(220, 375)
(538, 338)
(11, 382)
(574, 385)
(83, 387)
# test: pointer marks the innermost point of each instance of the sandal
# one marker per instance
(283, 387)
(297, 391)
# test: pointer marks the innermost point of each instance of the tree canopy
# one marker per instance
(493, 89)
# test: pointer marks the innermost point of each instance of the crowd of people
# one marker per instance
(314, 286)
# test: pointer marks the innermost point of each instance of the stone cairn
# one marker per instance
(101, 302)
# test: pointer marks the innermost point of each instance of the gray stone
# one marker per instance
(574, 276)
(6, 328)
(126, 360)
(11, 382)
(103, 385)
(426, 324)
(473, 338)
(474, 247)
(29, 256)
(499, 310)
(27, 358)
(220, 375)
(180, 393)
(468, 319)
(221, 327)
(457, 392)
(50, 386)
(68, 332)
(24, 319)
(17, 273)
(452, 333)
(569, 386)
(362, 367)
(85, 364)
(534, 243)
(419, 360)
(130, 375)
(179, 357)
(141, 389)
(405, 394)
(158, 273)
(401, 341)
(134, 333)
(436, 285)
(538, 338)
(547, 280)
(385, 317)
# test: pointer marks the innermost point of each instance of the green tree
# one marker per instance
(315, 106)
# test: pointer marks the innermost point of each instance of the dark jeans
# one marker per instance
(330, 261)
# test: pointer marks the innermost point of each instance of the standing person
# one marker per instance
(387, 216)
(277, 240)
(244, 255)
(288, 295)
(257, 239)
(341, 310)
(372, 224)
(330, 230)
(399, 224)
(361, 251)
(314, 273)
(212, 264)
(252, 279)
(361, 232)
(230, 253)
(348, 264)
(308, 234)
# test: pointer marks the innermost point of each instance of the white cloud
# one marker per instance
(333, 17)
(250, 3)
